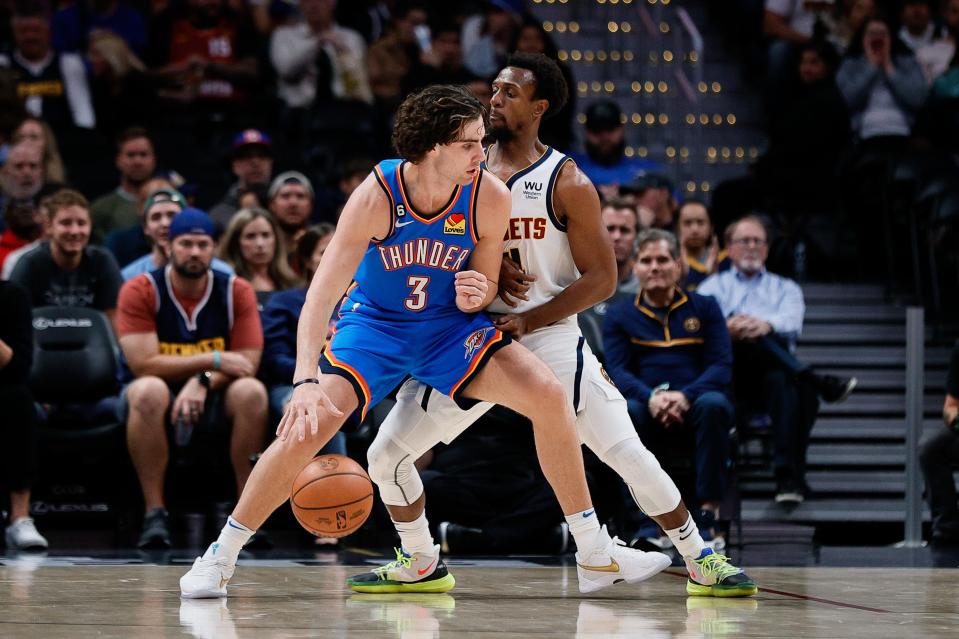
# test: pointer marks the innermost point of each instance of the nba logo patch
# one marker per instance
(455, 224)
(475, 341)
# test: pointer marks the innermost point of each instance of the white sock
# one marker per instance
(584, 527)
(415, 536)
(230, 541)
(687, 539)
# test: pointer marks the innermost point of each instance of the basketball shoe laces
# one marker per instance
(717, 567)
(402, 559)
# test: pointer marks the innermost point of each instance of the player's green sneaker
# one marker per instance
(407, 573)
(711, 575)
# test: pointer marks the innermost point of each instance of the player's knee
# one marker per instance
(649, 484)
(391, 469)
(548, 397)
(148, 396)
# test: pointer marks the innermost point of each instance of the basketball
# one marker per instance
(332, 496)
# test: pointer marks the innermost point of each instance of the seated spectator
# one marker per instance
(19, 416)
(203, 52)
(130, 243)
(55, 84)
(939, 456)
(698, 243)
(395, 55)
(281, 317)
(72, 24)
(188, 377)
(653, 195)
(136, 163)
(557, 131)
(918, 30)
(605, 162)
(669, 354)
(330, 201)
(938, 54)
(623, 225)
(119, 84)
(316, 59)
(252, 164)
(251, 245)
(66, 270)
(852, 13)
(488, 35)
(21, 178)
(161, 207)
(24, 228)
(883, 85)
(36, 131)
(764, 314)
(291, 203)
(787, 24)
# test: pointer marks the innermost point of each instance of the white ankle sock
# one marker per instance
(687, 539)
(415, 535)
(584, 527)
(230, 541)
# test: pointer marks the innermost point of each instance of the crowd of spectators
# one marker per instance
(217, 141)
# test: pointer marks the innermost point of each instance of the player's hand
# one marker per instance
(235, 364)
(304, 409)
(471, 289)
(513, 324)
(189, 402)
(514, 282)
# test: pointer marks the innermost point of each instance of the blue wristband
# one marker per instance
(216, 360)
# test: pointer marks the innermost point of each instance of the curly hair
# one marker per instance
(550, 83)
(435, 115)
(279, 270)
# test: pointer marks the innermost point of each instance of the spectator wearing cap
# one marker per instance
(291, 203)
(605, 162)
(191, 339)
(161, 207)
(65, 270)
(252, 164)
(136, 163)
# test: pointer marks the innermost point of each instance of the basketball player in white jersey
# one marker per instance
(557, 239)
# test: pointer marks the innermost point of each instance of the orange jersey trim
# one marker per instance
(331, 358)
(409, 206)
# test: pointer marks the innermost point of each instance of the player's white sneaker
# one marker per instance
(611, 561)
(207, 578)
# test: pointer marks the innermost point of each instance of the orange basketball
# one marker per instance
(332, 496)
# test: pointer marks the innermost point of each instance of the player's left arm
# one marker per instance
(476, 288)
(575, 200)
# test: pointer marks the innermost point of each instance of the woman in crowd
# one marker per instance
(250, 245)
(39, 132)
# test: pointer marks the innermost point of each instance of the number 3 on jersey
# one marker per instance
(418, 296)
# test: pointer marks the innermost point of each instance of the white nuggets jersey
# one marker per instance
(536, 238)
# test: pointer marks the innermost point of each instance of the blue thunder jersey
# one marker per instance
(409, 274)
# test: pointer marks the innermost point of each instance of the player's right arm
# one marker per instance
(365, 216)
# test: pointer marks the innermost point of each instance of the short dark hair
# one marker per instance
(306, 244)
(550, 83)
(133, 133)
(433, 116)
(650, 236)
(692, 200)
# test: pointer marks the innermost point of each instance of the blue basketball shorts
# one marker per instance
(375, 354)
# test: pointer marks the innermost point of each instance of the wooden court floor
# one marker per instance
(495, 598)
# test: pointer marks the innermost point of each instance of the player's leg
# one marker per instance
(266, 489)
(605, 427)
(515, 378)
(407, 434)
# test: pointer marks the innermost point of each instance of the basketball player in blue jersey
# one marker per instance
(559, 261)
(424, 238)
